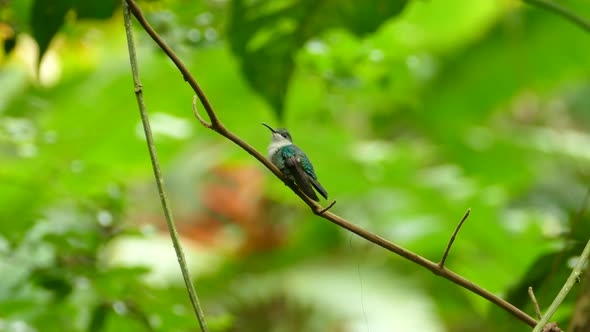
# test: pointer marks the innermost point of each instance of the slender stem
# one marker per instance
(327, 208)
(158, 174)
(535, 303)
(441, 264)
(565, 289)
(561, 11)
(218, 127)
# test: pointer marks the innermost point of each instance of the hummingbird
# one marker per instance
(293, 163)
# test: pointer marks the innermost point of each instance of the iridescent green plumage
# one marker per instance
(292, 151)
(294, 163)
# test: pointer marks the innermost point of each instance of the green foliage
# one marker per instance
(266, 35)
(411, 113)
(46, 17)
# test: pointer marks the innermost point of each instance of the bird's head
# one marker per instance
(279, 134)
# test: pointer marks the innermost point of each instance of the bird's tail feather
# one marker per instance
(316, 184)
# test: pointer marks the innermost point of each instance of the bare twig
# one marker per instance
(441, 264)
(326, 208)
(561, 11)
(218, 127)
(198, 116)
(565, 289)
(535, 303)
(158, 174)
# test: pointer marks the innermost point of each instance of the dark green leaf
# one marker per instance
(47, 16)
(546, 275)
(99, 315)
(9, 44)
(53, 280)
(267, 35)
(96, 9)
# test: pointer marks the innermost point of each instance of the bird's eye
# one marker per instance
(285, 135)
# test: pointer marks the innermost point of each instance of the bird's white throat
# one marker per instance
(274, 146)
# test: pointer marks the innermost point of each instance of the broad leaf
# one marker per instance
(47, 17)
(267, 34)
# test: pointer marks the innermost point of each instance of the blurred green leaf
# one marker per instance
(267, 35)
(96, 9)
(408, 121)
(52, 280)
(14, 19)
(47, 17)
(9, 44)
(98, 317)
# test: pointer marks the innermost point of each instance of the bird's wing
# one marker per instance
(312, 178)
(301, 177)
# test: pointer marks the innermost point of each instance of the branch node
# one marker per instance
(441, 264)
(535, 303)
(551, 327)
(138, 88)
(326, 208)
(198, 116)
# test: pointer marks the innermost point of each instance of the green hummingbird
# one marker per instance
(293, 163)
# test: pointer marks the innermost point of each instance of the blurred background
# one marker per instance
(411, 111)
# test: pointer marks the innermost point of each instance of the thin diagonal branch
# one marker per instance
(565, 289)
(561, 11)
(158, 174)
(218, 127)
(441, 264)
(535, 303)
(181, 67)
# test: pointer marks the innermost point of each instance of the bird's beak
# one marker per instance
(269, 127)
